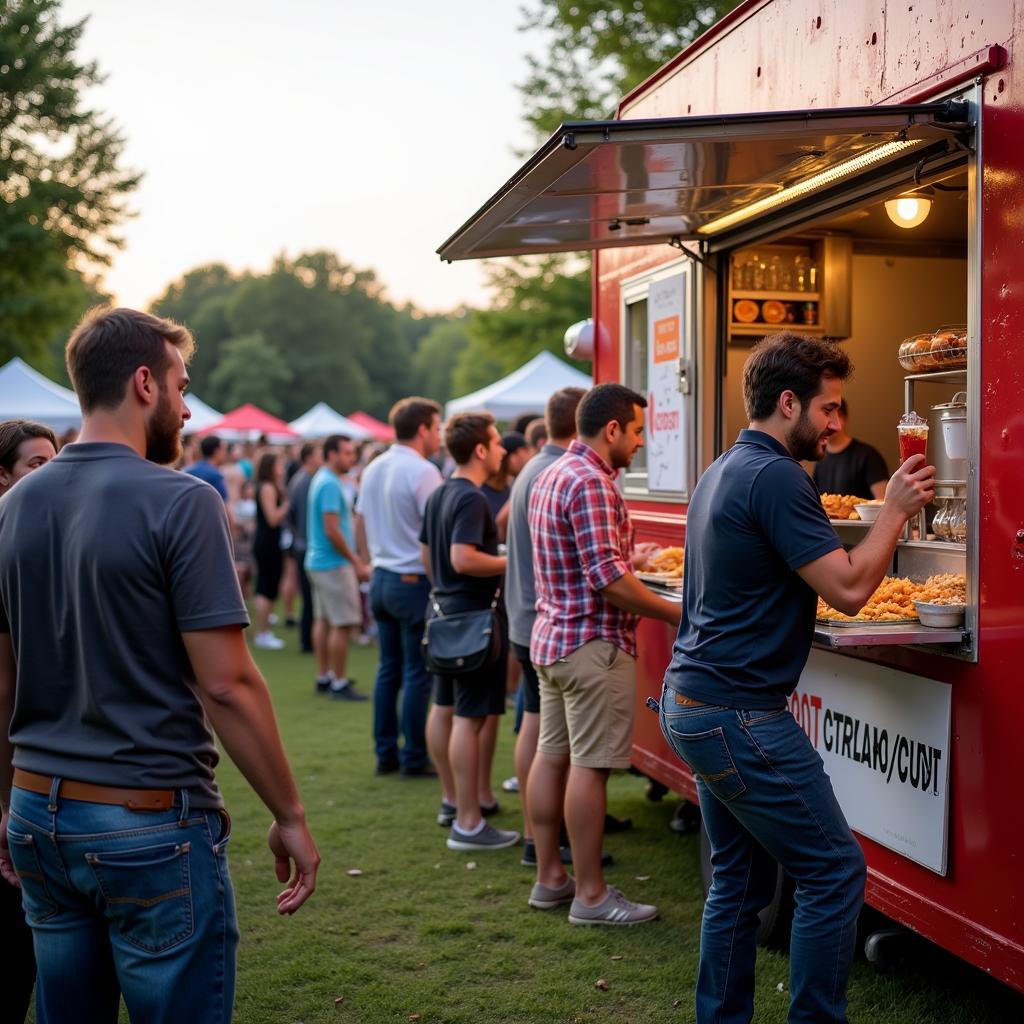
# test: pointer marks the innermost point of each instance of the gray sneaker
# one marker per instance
(615, 909)
(488, 838)
(446, 815)
(544, 898)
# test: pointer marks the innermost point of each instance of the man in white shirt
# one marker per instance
(392, 497)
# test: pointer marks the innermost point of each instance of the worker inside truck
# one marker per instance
(850, 466)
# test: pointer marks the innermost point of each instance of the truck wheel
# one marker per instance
(776, 918)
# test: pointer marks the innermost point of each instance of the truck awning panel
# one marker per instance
(597, 184)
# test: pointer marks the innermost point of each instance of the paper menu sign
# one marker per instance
(665, 433)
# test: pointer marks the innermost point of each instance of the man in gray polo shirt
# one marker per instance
(121, 644)
(520, 592)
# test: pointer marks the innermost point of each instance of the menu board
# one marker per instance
(667, 319)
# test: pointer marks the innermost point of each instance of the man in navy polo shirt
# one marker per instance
(759, 549)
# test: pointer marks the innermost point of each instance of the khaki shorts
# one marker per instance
(586, 706)
(336, 596)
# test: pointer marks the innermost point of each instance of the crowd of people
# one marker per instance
(480, 560)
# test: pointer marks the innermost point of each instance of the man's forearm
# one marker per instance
(243, 718)
(7, 679)
(337, 539)
(470, 561)
(629, 594)
(871, 557)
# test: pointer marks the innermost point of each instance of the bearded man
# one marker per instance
(121, 644)
(759, 551)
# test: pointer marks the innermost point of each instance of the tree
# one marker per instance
(597, 50)
(330, 322)
(435, 360)
(535, 301)
(250, 370)
(200, 300)
(63, 191)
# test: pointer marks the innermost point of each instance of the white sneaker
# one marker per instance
(268, 642)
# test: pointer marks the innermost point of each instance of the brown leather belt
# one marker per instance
(688, 701)
(410, 577)
(133, 799)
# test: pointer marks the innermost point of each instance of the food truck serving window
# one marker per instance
(658, 362)
(598, 184)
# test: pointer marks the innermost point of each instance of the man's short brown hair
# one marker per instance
(537, 431)
(464, 431)
(409, 414)
(109, 345)
(604, 403)
(560, 415)
(790, 362)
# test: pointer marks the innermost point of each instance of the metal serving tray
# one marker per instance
(860, 634)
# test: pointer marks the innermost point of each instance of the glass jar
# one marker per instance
(958, 521)
(774, 276)
(940, 524)
(760, 271)
(800, 272)
(788, 271)
(737, 273)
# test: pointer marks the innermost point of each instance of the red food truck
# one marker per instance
(852, 171)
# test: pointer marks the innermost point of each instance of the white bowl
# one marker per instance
(942, 615)
(869, 513)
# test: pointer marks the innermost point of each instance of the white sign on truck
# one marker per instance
(884, 738)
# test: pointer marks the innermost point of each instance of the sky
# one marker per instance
(373, 129)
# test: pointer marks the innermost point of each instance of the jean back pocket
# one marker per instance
(39, 906)
(707, 754)
(147, 892)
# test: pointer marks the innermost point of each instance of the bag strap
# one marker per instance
(440, 611)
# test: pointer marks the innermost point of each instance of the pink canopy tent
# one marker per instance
(377, 430)
(248, 422)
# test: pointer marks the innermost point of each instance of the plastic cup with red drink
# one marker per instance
(913, 434)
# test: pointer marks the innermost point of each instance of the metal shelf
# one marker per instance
(958, 376)
(779, 296)
(837, 637)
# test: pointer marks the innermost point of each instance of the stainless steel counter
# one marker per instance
(836, 637)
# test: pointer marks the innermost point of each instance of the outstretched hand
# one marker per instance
(293, 844)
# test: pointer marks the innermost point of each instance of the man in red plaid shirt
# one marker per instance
(584, 647)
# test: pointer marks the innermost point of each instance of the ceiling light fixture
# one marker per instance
(910, 209)
(811, 184)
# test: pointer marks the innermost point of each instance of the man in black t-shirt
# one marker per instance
(850, 466)
(459, 548)
(121, 645)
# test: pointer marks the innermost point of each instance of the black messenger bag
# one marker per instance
(459, 644)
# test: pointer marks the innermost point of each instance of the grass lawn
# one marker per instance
(422, 935)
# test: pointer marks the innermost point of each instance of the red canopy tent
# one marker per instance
(249, 422)
(378, 431)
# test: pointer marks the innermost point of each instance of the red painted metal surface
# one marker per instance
(772, 54)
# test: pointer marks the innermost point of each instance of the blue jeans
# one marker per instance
(765, 798)
(126, 902)
(399, 605)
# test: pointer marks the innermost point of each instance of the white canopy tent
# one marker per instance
(322, 420)
(203, 415)
(524, 390)
(27, 394)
